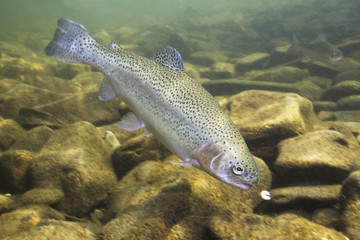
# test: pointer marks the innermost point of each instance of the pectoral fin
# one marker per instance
(130, 122)
(106, 91)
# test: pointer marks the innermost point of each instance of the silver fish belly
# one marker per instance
(164, 101)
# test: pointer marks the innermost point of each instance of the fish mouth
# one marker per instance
(234, 181)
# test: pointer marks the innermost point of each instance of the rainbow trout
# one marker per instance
(164, 101)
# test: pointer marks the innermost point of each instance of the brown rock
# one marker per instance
(10, 132)
(350, 205)
(135, 151)
(13, 170)
(341, 90)
(162, 201)
(77, 160)
(308, 197)
(24, 219)
(328, 217)
(252, 61)
(350, 103)
(284, 226)
(265, 118)
(323, 156)
(282, 74)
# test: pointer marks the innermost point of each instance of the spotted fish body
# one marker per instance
(166, 102)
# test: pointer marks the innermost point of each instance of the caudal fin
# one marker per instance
(68, 39)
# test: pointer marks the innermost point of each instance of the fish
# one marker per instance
(165, 102)
(319, 49)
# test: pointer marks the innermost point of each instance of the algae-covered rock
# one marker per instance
(250, 62)
(306, 197)
(10, 132)
(135, 151)
(219, 70)
(46, 196)
(24, 219)
(41, 222)
(341, 90)
(161, 200)
(16, 95)
(13, 170)
(70, 109)
(284, 226)
(77, 160)
(33, 139)
(350, 205)
(284, 74)
(268, 117)
(323, 156)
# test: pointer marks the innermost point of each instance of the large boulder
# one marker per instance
(158, 200)
(76, 160)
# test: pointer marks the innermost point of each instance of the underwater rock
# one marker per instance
(326, 116)
(219, 70)
(284, 226)
(320, 69)
(328, 217)
(347, 116)
(348, 75)
(349, 46)
(77, 160)
(65, 70)
(40, 222)
(350, 205)
(191, 70)
(20, 69)
(206, 58)
(159, 200)
(349, 103)
(135, 151)
(226, 87)
(6, 203)
(72, 108)
(13, 170)
(10, 132)
(323, 156)
(319, 81)
(266, 118)
(33, 139)
(24, 219)
(46, 196)
(250, 62)
(59, 230)
(85, 82)
(324, 106)
(341, 90)
(280, 56)
(309, 89)
(305, 197)
(283, 74)
(15, 49)
(15, 95)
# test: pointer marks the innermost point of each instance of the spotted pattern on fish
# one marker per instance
(171, 105)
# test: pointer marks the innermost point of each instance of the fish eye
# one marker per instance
(238, 169)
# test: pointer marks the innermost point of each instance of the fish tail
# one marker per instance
(70, 37)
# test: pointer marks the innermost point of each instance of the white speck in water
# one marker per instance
(265, 195)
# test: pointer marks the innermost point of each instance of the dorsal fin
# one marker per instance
(169, 57)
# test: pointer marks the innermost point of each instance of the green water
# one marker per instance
(245, 26)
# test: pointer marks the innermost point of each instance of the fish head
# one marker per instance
(233, 166)
(334, 54)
